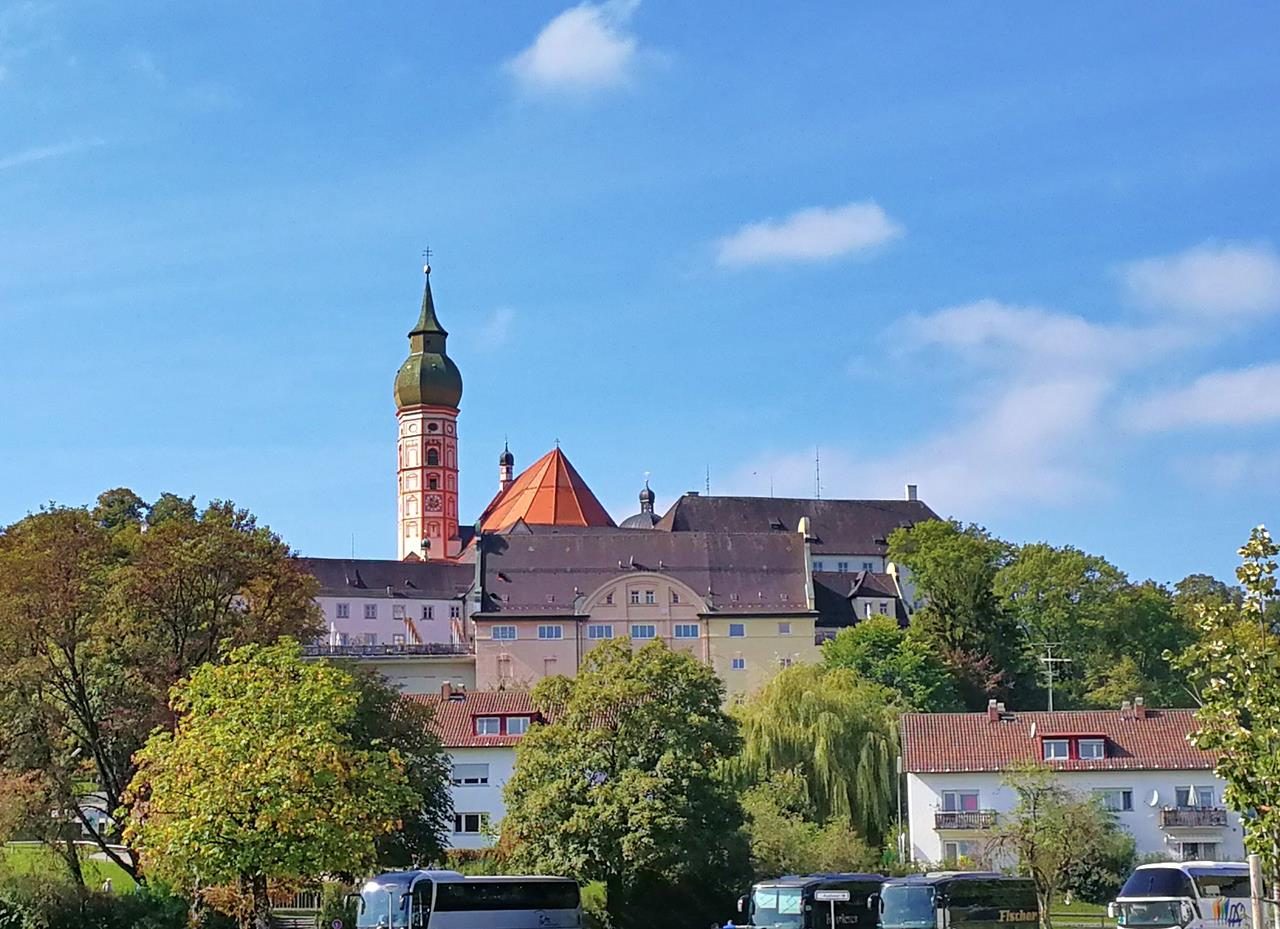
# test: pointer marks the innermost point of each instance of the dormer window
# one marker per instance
(1057, 749)
(1093, 749)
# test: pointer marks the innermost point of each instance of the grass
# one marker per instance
(32, 858)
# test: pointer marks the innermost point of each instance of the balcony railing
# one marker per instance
(1192, 817)
(964, 819)
(385, 651)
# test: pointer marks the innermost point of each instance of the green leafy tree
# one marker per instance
(622, 785)
(879, 650)
(1234, 669)
(98, 620)
(1053, 834)
(1128, 655)
(785, 839)
(385, 721)
(262, 780)
(838, 731)
(954, 567)
(170, 506)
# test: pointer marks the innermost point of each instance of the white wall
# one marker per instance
(481, 799)
(924, 798)
(387, 625)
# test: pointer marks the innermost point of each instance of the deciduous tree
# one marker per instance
(785, 839)
(838, 731)
(879, 650)
(622, 785)
(262, 779)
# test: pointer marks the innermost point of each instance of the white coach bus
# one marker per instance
(448, 900)
(1184, 895)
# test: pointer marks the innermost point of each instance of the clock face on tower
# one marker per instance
(433, 502)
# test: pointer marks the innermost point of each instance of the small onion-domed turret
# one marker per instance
(646, 518)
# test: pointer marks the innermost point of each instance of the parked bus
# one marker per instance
(811, 901)
(447, 900)
(1187, 894)
(968, 899)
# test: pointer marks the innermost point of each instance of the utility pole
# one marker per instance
(1048, 660)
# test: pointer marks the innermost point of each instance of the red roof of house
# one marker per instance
(455, 717)
(550, 492)
(962, 742)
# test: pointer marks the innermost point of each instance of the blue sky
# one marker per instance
(1022, 255)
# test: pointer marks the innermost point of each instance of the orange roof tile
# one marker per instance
(550, 492)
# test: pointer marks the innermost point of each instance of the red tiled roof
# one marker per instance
(550, 492)
(455, 718)
(963, 742)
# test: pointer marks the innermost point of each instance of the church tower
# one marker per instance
(428, 389)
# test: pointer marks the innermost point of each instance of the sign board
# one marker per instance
(831, 896)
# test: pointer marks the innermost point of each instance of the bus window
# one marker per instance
(473, 896)
(777, 906)
(1211, 884)
(421, 912)
(383, 906)
(908, 906)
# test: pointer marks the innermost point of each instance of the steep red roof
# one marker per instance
(963, 742)
(550, 492)
(455, 717)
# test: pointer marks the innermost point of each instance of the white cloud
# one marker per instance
(496, 330)
(1028, 337)
(1243, 397)
(813, 234)
(585, 48)
(46, 152)
(1214, 281)
(1232, 469)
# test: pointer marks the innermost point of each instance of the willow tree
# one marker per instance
(834, 728)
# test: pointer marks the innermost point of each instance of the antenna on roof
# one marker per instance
(708, 481)
(1048, 660)
(817, 473)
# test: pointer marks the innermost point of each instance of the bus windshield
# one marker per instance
(777, 906)
(383, 906)
(907, 907)
(1149, 913)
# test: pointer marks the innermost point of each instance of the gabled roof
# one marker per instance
(834, 594)
(455, 716)
(550, 492)
(542, 570)
(845, 527)
(378, 577)
(966, 742)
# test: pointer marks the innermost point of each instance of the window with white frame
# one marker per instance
(1115, 799)
(959, 801)
(488, 725)
(428, 612)
(397, 638)
(649, 597)
(817, 566)
(784, 628)
(371, 611)
(1190, 797)
(686, 630)
(643, 631)
(369, 638)
(397, 611)
(1057, 749)
(785, 661)
(884, 608)
(1198, 851)
(868, 566)
(455, 611)
(959, 850)
(470, 775)
(551, 632)
(675, 597)
(344, 611)
(503, 633)
(737, 630)
(608, 598)
(517, 725)
(600, 631)
(867, 609)
(842, 567)
(635, 597)
(470, 823)
(738, 664)
(1092, 749)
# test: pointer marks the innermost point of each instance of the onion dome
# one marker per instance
(428, 376)
(646, 518)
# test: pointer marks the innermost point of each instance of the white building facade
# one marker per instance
(1137, 761)
(480, 731)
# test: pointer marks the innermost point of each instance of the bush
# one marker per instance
(335, 905)
(31, 901)
(595, 914)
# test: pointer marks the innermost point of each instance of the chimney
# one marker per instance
(1125, 709)
(911, 491)
(1139, 708)
(446, 690)
(1000, 709)
(993, 711)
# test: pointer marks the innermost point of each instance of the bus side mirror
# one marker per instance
(742, 904)
(1113, 911)
(875, 904)
(359, 902)
(1188, 913)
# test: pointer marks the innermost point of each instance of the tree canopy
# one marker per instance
(622, 786)
(837, 731)
(879, 650)
(262, 779)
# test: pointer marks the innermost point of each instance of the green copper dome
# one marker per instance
(428, 376)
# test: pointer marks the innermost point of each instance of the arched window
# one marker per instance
(433, 458)
(433, 483)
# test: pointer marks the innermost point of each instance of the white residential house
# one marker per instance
(480, 732)
(1138, 761)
